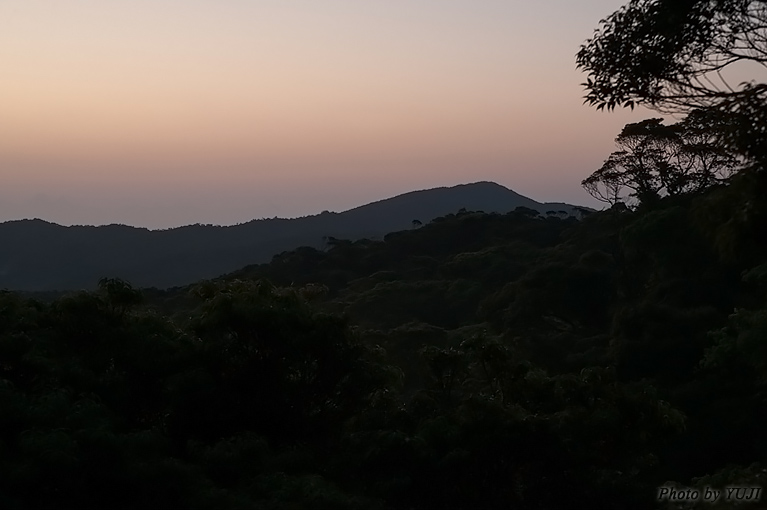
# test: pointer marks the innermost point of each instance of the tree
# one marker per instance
(280, 368)
(679, 55)
(526, 212)
(655, 160)
(120, 295)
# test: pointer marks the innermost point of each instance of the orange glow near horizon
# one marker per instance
(196, 106)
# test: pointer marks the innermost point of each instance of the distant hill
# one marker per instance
(36, 255)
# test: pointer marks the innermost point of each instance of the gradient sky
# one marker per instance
(168, 112)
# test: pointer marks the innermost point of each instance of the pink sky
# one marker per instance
(173, 112)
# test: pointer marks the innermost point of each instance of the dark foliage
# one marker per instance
(655, 160)
(474, 362)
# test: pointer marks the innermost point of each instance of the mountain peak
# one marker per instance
(166, 258)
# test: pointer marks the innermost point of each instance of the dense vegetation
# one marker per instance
(477, 361)
(474, 362)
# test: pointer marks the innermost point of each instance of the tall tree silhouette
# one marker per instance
(655, 160)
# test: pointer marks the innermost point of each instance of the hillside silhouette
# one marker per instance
(41, 256)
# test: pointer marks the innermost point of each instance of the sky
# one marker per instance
(170, 112)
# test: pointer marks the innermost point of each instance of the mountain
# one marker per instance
(36, 255)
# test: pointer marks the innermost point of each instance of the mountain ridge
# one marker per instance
(180, 255)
